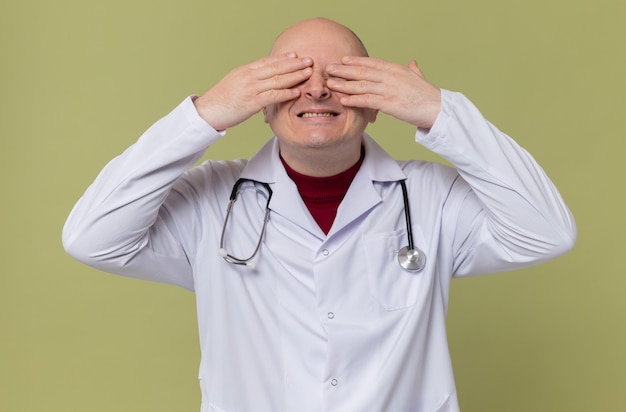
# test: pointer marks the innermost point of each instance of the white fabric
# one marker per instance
(324, 322)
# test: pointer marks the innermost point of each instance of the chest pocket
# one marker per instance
(391, 285)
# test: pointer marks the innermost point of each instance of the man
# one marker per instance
(315, 310)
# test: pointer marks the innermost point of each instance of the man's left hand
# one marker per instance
(394, 89)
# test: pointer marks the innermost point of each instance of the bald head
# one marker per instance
(323, 31)
(318, 135)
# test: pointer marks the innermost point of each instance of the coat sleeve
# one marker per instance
(503, 212)
(120, 225)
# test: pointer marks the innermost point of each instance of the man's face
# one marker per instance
(317, 118)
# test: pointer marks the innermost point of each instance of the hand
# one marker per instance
(247, 89)
(400, 91)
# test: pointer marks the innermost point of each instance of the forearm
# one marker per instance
(110, 225)
(524, 213)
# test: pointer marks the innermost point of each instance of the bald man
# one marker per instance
(321, 266)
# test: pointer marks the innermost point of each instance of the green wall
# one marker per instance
(80, 80)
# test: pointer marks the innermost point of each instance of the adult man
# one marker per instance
(323, 317)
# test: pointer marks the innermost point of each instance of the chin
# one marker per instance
(327, 143)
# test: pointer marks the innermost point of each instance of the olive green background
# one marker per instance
(81, 80)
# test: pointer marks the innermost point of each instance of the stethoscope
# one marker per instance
(410, 257)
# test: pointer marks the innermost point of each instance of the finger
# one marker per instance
(355, 72)
(270, 59)
(355, 87)
(415, 68)
(284, 81)
(371, 62)
(277, 67)
(274, 96)
(365, 101)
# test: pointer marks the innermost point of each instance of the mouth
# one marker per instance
(307, 115)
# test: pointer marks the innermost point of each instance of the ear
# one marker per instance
(265, 119)
(373, 115)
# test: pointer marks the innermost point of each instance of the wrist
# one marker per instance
(208, 114)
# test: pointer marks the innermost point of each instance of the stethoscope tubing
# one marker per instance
(233, 197)
(407, 214)
(409, 257)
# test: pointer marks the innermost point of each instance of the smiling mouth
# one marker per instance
(306, 115)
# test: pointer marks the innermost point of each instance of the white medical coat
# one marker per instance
(324, 322)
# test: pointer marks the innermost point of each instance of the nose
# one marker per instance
(315, 87)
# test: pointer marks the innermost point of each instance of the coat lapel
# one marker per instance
(363, 195)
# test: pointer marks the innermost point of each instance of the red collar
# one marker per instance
(322, 195)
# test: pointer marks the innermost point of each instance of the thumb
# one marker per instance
(414, 68)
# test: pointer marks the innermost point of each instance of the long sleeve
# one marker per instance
(116, 226)
(508, 212)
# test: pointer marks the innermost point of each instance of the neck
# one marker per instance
(322, 162)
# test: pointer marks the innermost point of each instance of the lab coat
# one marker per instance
(322, 322)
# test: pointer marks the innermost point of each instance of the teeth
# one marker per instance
(317, 115)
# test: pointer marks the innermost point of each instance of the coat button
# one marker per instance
(334, 382)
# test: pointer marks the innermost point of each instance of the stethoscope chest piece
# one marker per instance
(412, 260)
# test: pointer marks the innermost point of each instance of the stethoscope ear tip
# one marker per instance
(223, 252)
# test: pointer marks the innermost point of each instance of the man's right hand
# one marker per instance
(247, 89)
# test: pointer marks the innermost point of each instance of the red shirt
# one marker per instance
(322, 195)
